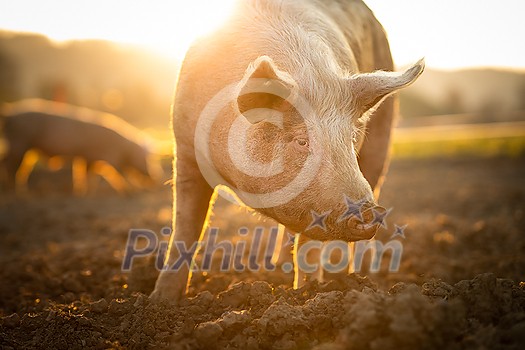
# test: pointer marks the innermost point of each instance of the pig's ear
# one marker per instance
(369, 89)
(264, 86)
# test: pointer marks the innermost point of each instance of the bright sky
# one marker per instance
(449, 33)
(455, 33)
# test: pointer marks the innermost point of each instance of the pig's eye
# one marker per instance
(302, 142)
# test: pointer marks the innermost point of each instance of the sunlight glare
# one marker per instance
(168, 27)
(186, 21)
(449, 33)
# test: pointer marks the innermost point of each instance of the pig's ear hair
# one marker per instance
(369, 89)
(264, 86)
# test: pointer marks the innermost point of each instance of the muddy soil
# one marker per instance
(459, 283)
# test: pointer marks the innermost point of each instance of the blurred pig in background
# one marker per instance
(95, 142)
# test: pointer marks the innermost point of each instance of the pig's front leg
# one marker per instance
(306, 260)
(283, 247)
(191, 201)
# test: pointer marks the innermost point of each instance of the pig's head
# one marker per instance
(293, 143)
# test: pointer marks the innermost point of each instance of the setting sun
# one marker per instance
(167, 27)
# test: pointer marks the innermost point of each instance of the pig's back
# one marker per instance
(361, 30)
(259, 27)
(60, 135)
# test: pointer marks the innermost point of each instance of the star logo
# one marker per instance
(380, 217)
(318, 220)
(399, 231)
(352, 209)
(290, 241)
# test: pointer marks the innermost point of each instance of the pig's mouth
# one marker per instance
(367, 228)
(351, 229)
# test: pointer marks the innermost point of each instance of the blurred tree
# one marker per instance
(490, 109)
(454, 102)
(8, 77)
(413, 105)
(520, 96)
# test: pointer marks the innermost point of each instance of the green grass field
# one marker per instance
(485, 140)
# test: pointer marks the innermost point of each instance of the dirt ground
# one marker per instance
(459, 285)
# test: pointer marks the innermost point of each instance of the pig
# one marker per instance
(90, 138)
(288, 104)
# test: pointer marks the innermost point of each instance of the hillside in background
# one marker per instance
(138, 85)
(124, 80)
(490, 93)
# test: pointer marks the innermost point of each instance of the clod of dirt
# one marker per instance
(232, 319)
(488, 298)
(235, 296)
(119, 307)
(207, 333)
(282, 317)
(436, 288)
(140, 301)
(405, 320)
(323, 311)
(99, 306)
(203, 299)
(398, 288)
(11, 321)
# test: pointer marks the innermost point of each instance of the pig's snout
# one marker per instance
(356, 222)
(366, 228)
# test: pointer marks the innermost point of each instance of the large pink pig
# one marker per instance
(287, 105)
